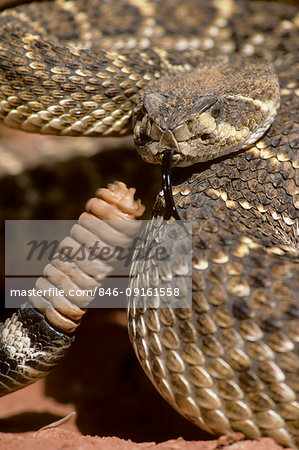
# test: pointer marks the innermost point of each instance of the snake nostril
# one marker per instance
(144, 138)
(204, 136)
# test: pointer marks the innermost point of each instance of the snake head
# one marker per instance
(221, 107)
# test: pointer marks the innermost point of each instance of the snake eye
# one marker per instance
(215, 110)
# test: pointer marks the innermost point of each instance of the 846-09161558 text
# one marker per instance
(142, 292)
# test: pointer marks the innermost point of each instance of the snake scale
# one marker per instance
(198, 78)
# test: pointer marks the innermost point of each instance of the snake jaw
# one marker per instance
(170, 209)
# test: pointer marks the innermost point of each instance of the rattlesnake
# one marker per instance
(74, 68)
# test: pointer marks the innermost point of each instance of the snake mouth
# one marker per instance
(170, 209)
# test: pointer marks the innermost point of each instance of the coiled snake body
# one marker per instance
(170, 73)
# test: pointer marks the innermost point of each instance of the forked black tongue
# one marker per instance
(170, 209)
